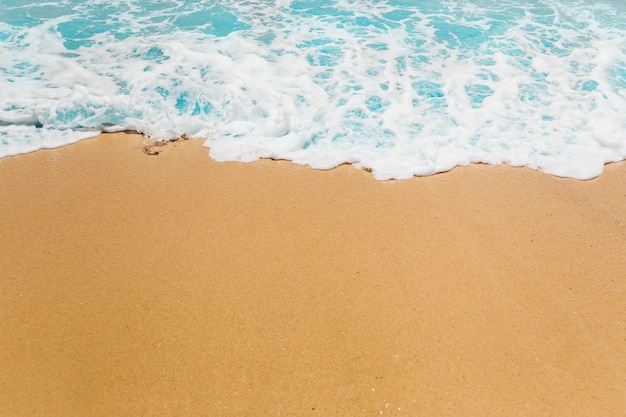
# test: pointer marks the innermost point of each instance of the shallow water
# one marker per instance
(402, 87)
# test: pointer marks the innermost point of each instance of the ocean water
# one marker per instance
(400, 87)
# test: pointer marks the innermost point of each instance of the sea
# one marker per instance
(401, 88)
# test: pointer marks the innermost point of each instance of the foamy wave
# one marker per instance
(397, 88)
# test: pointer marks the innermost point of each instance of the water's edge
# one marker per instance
(398, 88)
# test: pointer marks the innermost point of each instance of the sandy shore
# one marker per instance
(172, 285)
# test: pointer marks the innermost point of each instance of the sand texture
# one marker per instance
(173, 285)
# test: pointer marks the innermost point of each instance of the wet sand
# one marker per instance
(172, 285)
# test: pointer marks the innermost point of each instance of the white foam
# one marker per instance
(322, 93)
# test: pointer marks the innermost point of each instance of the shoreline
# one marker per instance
(176, 285)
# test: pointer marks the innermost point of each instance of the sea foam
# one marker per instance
(399, 87)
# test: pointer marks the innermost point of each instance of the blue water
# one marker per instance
(401, 87)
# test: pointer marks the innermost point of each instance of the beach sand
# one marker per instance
(173, 285)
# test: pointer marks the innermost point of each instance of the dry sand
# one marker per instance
(172, 285)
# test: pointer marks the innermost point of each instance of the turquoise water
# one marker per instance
(400, 87)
